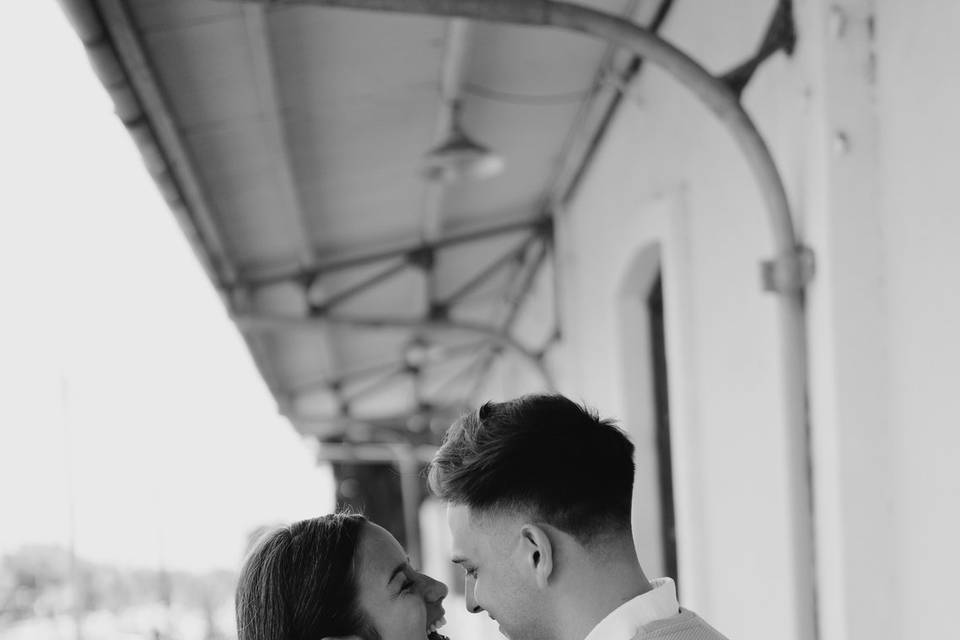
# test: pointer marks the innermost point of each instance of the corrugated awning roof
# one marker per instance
(289, 142)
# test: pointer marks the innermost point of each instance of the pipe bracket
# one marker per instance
(789, 272)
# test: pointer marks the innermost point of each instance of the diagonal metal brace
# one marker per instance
(781, 35)
(788, 272)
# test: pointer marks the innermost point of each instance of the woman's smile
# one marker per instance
(399, 602)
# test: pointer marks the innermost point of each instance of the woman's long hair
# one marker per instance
(298, 582)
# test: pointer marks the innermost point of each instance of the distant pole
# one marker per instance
(409, 467)
(164, 582)
(76, 605)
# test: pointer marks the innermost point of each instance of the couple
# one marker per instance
(538, 491)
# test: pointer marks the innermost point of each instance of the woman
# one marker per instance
(336, 575)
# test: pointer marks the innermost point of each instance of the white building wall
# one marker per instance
(862, 122)
(918, 106)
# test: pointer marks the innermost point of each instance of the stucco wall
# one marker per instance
(862, 122)
(918, 103)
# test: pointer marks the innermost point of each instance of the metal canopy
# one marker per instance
(289, 143)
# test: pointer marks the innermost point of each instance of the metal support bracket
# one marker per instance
(781, 35)
(788, 272)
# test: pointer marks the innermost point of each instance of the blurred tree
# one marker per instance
(35, 583)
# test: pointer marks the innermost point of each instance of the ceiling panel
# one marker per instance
(305, 131)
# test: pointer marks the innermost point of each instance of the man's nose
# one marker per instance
(470, 593)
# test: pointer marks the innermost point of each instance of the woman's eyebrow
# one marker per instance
(398, 569)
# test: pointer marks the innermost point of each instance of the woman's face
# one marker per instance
(400, 602)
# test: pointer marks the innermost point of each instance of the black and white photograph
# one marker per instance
(479, 319)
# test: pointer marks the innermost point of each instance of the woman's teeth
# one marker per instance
(436, 625)
(432, 630)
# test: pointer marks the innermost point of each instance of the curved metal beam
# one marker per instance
(712, 91)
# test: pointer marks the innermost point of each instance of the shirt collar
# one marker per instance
(623, 622)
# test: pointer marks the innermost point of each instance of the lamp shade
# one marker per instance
(459, 157)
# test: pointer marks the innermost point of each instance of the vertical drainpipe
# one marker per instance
(787, 274)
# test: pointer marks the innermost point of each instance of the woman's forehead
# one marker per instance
(380, 553)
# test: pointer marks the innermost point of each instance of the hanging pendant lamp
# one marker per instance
(459, 157)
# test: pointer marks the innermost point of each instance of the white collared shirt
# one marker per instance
(623, 622)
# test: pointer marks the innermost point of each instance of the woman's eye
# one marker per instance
(406, 586)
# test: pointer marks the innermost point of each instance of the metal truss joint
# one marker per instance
(306, 278)
(438, 311)
(422, 257)
(318, 310)
(544, 227)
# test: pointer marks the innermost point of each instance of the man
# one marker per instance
(539, 493)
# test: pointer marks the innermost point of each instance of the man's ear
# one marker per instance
(536, 553)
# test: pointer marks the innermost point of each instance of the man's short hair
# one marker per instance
(544, 455)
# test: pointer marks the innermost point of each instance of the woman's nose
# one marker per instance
(432, 590)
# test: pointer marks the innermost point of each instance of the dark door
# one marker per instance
(662, 410)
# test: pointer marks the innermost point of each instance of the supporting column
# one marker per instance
(855, 523)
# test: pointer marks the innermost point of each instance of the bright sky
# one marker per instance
(170, 443)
